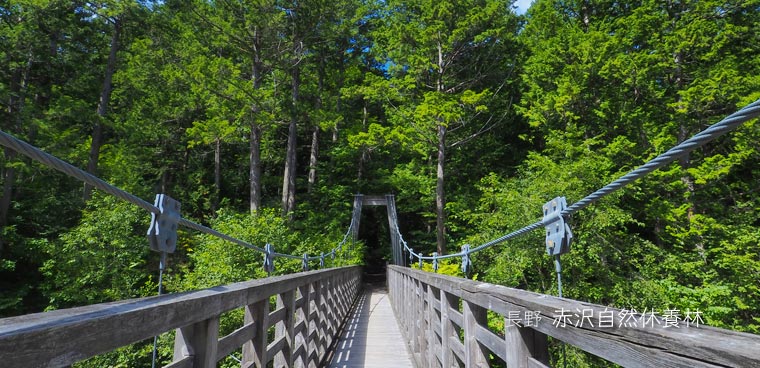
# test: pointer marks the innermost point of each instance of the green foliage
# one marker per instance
(445, 267)
(105, 258)
(558, 102)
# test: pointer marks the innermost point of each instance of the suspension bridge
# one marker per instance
(327, 317)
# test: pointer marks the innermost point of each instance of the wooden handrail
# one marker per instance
(427, 306)
(310, 306)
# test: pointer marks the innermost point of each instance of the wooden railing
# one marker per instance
(309, 308)
(445, 321)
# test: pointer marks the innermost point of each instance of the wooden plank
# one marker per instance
(302, 328)
(433, 319)
(199, 341)
(491, 341)
(59, 338)
(454, 315)
(275, 347)
(255, 350)
(457, 347)
(371, 337)
(277, 316)
(533, 363)
(447, 330)
(234, 340)
(474, 315)
(631, 347)
(186, 362)
(284, 328)
(523, 345)
(299, 328)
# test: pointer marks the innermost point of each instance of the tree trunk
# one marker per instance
(313, 157)
(217, 175)
(440, 199)
(18, 87)
(255, 168)
(105, 98)
(364, 156)
(255, 146)
(9, 177)
(289, 177)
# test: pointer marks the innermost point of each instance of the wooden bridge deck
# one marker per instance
(371, 337)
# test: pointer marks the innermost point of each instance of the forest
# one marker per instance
(265, 117)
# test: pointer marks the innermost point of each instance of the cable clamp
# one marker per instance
(269, 258)
(558, 233)
(162, 232)
(466, 262)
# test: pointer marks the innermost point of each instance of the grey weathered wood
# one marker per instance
(234, 340)
(275, 348)
(59, 338)
(474, 317)
(277, 316)
(454, 315)
(630, 347)
(302, 329)
(186, 362)
(447, 330)
(533, 363)
(524, 345)
(284, 328)
(491, 341)
(199, 341)
(457, 347)
(254, 351)
(371, 337)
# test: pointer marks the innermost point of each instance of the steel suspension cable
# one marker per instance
(716, 130)
(53, 162)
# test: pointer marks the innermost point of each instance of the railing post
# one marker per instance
(303, 315)
(448, 302)
(315, 346)
(411, 317)
(474, 316)
(416, 326)
(433, 320)
(523, 345)
(424, 324)
(284, 329)
(199, 341)
(330, 309)
(255, 350)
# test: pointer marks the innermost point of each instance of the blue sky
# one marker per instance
(522, 5)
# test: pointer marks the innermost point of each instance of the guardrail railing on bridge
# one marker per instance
(309, 308)
(444, 320)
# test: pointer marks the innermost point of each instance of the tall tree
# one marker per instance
(111, 13)
(438, 52)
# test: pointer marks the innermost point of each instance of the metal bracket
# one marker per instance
(305, 262)
(466, 262)
(435, 261)
(558, 233)
(162, 232)
(269, 258)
